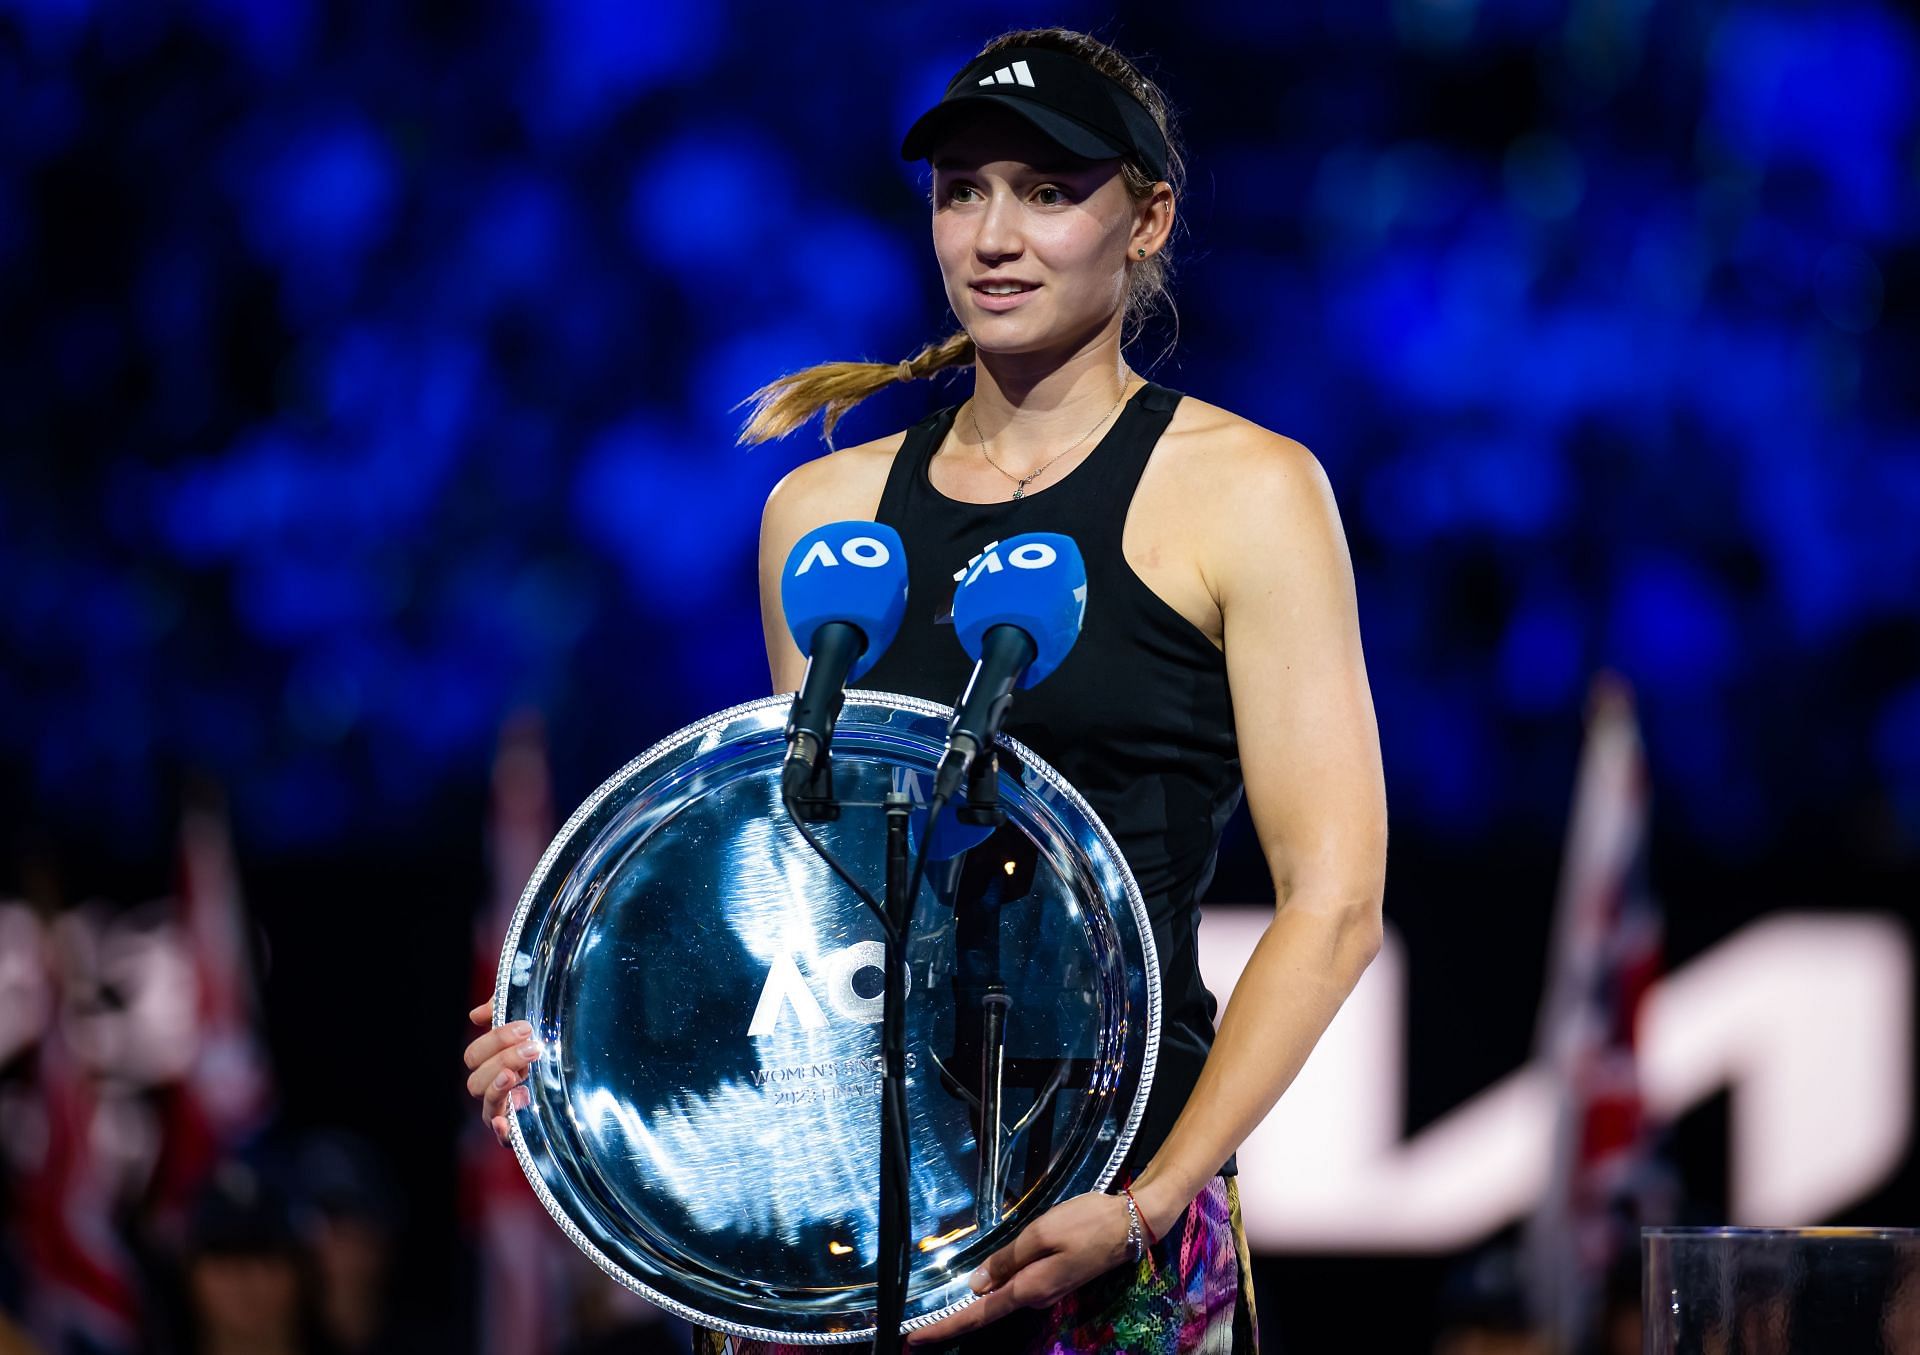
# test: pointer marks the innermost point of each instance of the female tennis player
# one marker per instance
(1220, 655)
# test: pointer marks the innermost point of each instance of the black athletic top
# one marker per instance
(1137, 716)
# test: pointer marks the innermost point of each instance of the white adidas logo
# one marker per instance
(1017, 74)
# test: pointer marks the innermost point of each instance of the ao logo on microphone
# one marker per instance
(865, 551)
(1030, 555)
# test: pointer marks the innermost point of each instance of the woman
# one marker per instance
(1221, 647)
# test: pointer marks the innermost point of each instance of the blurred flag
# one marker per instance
(523, 1265)
(226, 1094)
(1605, 954)
(82, 1294)
(519, 826)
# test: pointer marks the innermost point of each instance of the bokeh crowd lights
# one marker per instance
(370, 372)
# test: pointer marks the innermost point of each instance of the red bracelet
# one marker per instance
(1127, 1190)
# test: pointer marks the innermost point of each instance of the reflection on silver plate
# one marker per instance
(704, 1123)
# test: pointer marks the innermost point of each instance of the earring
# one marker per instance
(1143, 253)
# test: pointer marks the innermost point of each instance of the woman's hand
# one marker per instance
(499, 1060)
(1058, 1252)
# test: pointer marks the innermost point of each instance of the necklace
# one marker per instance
(1020, 483)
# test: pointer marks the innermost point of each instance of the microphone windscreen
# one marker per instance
(1036, 581)
(854, 572)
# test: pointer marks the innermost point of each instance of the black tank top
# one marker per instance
(1137, 716)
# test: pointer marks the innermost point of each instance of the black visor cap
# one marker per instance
(1063, 97)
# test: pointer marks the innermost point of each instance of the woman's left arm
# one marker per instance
(1276, 562)
(1310, 753)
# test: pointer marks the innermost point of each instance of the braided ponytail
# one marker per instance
(784, 404)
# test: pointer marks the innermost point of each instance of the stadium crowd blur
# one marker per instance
(368, 386)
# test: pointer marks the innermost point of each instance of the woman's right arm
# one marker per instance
(788, 516)
(832, 488)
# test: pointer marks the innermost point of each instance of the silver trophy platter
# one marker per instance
(705, 1121)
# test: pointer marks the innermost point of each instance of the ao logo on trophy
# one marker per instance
(786, 989)
(1030, 555)
(866, 551)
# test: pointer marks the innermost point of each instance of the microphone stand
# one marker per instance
(896, 1160)
(982, 808)
(815, 804)
(896, 1207)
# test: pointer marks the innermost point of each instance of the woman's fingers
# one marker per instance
(488, 1045)
(497, 1073)
(516, 1100)
(495, 1097)
(499, 1059)
(1034, 1285)
(506, 1091)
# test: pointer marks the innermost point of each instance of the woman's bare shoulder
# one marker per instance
(844, 483)
(1206, 429)
(1223, 458)
(1253, 489)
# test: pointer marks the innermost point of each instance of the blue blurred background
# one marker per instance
(368, 375)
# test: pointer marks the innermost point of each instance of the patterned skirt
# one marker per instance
(1191, 1293)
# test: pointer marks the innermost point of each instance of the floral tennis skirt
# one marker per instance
(1192, 1292)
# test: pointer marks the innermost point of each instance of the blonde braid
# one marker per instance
(784, 404)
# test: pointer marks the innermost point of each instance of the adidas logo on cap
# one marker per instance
(1017, 74)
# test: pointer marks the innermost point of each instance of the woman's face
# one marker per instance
(1012, 207)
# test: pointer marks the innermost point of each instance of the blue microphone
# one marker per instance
(1017, 613)
(844, 592)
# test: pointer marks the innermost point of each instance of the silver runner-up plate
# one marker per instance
(705, 1121)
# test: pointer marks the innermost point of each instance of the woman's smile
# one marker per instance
(1001, 293)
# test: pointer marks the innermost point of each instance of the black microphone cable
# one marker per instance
(821, 849)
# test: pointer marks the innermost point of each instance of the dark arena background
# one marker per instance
(369, 381)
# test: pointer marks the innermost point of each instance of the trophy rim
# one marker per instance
(510, 944)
